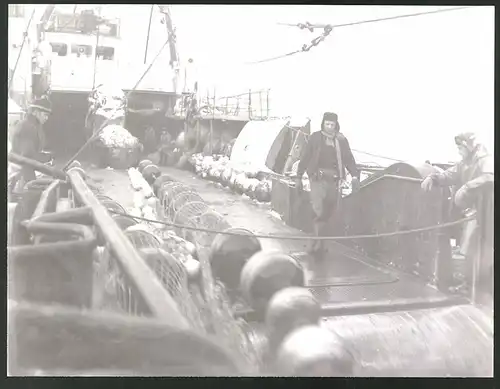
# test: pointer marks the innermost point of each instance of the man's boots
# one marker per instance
(317, 246)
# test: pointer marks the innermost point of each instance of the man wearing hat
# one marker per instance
(470, 178)
(325, 158)
(28, 136)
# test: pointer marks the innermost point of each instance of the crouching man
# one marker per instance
(325, 158)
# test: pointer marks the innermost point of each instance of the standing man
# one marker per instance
(325, 158)
(468, 177)
(166, 147)
(28, 139)
(150, 144)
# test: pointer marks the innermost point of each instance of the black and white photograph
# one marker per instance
(249, 190)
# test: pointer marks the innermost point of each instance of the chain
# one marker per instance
(306, 25)
(327, 28)
(316, 41)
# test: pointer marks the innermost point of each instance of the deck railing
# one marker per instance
(251, 105)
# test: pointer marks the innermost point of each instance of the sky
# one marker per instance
(402, 88)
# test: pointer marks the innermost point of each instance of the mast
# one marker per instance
(96, 55)
(174, 58)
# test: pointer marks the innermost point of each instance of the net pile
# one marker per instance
(114, 292)
(209, 220)
(141, 238)
(108, 100)
(169, 253)
(183, 206)
(185, 214)
(182, 199)
(117, 137)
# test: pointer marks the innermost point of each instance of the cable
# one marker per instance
(330, 27)
(294, 237)
(313, 26)
(358, 151)
(25, 36)
(273, 58)
(377, 156)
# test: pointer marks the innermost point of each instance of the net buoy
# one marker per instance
(229, 254)
(267, 272)
(314, 351)
(289, 309)
(164, 178)
(150, 173)
(143, 164)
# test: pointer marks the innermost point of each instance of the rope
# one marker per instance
(96, 134)
(313, 26)
(329, 27)
(377, 156)
(358, 151)
(295, 237)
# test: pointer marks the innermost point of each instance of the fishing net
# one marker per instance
(111, 291)
(114, 291)
(173, 276)
(188, 208)
(234, 333)
(180, 200)
(209, 220)
(143, 239)
(202, 301)
(185, 214)
(169, 190)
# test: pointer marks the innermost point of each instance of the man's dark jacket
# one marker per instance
(28, 137)
(311, 154)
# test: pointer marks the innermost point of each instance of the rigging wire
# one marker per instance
(314, 26)
(149, 32)
(377, 156)
(357, 151)
(25, 37)
(311, 27)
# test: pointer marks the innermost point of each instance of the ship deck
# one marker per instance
(344, 277)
